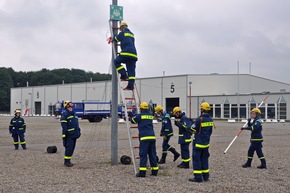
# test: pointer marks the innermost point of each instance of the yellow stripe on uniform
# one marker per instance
(129, 34)
(120, 68)
(67, 157)
(206, 124)
(197, 171)
(142, 168)
(71, 129)
(128, 54)
(205, 171)
(186, 160)
(147, 138)
(150, 117)
(154, 168)
(202, 146)
(187, 140)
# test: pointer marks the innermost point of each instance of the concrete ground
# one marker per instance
(34, 170)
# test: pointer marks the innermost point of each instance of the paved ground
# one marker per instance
(34, 170)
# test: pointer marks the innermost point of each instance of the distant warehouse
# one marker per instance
(230, 95)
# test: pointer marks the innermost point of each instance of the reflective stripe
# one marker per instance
(250, 157)
(183, 125)
(202, 146)
(205, 171)
(164, 152)
(13, 121)
(70, 117)
(262, 158)
(117, 39)
(131, 78)
(154, 168)
(169, 148)
(63, 121)
(192, 129)
(128, 54)
(187, 140)
(67, 157)
(197, 171)
(63, 135)
(15, 143)
(71, 129)
(142, 168)
(119, 68)
(206, 124)
(129, 34)
(133, 120)
(22, 143)
(10, 125)
(24, 125)
(169, 134)
(261, 139)
(186, 160)
(150, 117)
(252, 128)
(20, 128)
(147, 138)
(180, 135)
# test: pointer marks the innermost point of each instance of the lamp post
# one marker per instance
(30, 103)
(190, 99)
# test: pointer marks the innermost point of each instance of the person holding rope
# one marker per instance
(256, 139)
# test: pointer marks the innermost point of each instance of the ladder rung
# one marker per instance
(134, 127)
(137, 157)
(115, 27)
(131, 107)
(135, 137)
(130, 98)
(136, 147)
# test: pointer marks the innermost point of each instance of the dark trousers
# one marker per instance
(185, 155)
(70, 144)
(256, 146)
(130, 65)
(22, 140)
(200, 163)
(165, 146)
(148, 148)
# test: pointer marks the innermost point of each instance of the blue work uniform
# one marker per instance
(166, 131)
(203, 130)
(70, 132)
(17, 128)
(147, 141)
(128, 55)
(256, 140)
(184, 138)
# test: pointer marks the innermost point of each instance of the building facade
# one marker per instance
(230, 95)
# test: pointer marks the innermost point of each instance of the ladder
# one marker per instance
(129, 103)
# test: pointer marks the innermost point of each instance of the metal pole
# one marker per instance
(238, 91)
(114, 124)
(190, 99)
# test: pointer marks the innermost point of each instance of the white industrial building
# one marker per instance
(230, 95)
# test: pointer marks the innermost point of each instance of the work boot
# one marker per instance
(263, 164)
(16, 148)
(129, 88)
(194, 180)
(140, 175)
(175, 153)
(163, 159)
(68, 163)
(184, 165)
(246, 165)
(23, 146)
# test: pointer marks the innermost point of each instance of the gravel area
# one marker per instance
(34, 170)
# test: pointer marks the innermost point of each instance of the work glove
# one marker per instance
(164, 138)
(243, 128)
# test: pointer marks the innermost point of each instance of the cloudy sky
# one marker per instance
(178, 37)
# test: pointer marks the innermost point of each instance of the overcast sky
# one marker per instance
(178, 37)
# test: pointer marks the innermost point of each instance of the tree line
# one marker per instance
(10, 79)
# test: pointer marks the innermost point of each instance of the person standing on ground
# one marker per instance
(184, 125)
(70, 131)
(17, 128)
(128, 55)
(166, 133)
(203, 130)
(147, 140)
(256, 139)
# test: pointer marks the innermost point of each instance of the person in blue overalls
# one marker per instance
(166, 133)
(17, 128)
(184, 139)
(147, 140)
(128, 55)
(70, 131)
(203, 130)
(256, 139)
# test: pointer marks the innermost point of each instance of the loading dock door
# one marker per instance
(38, 108)
(171, 103)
